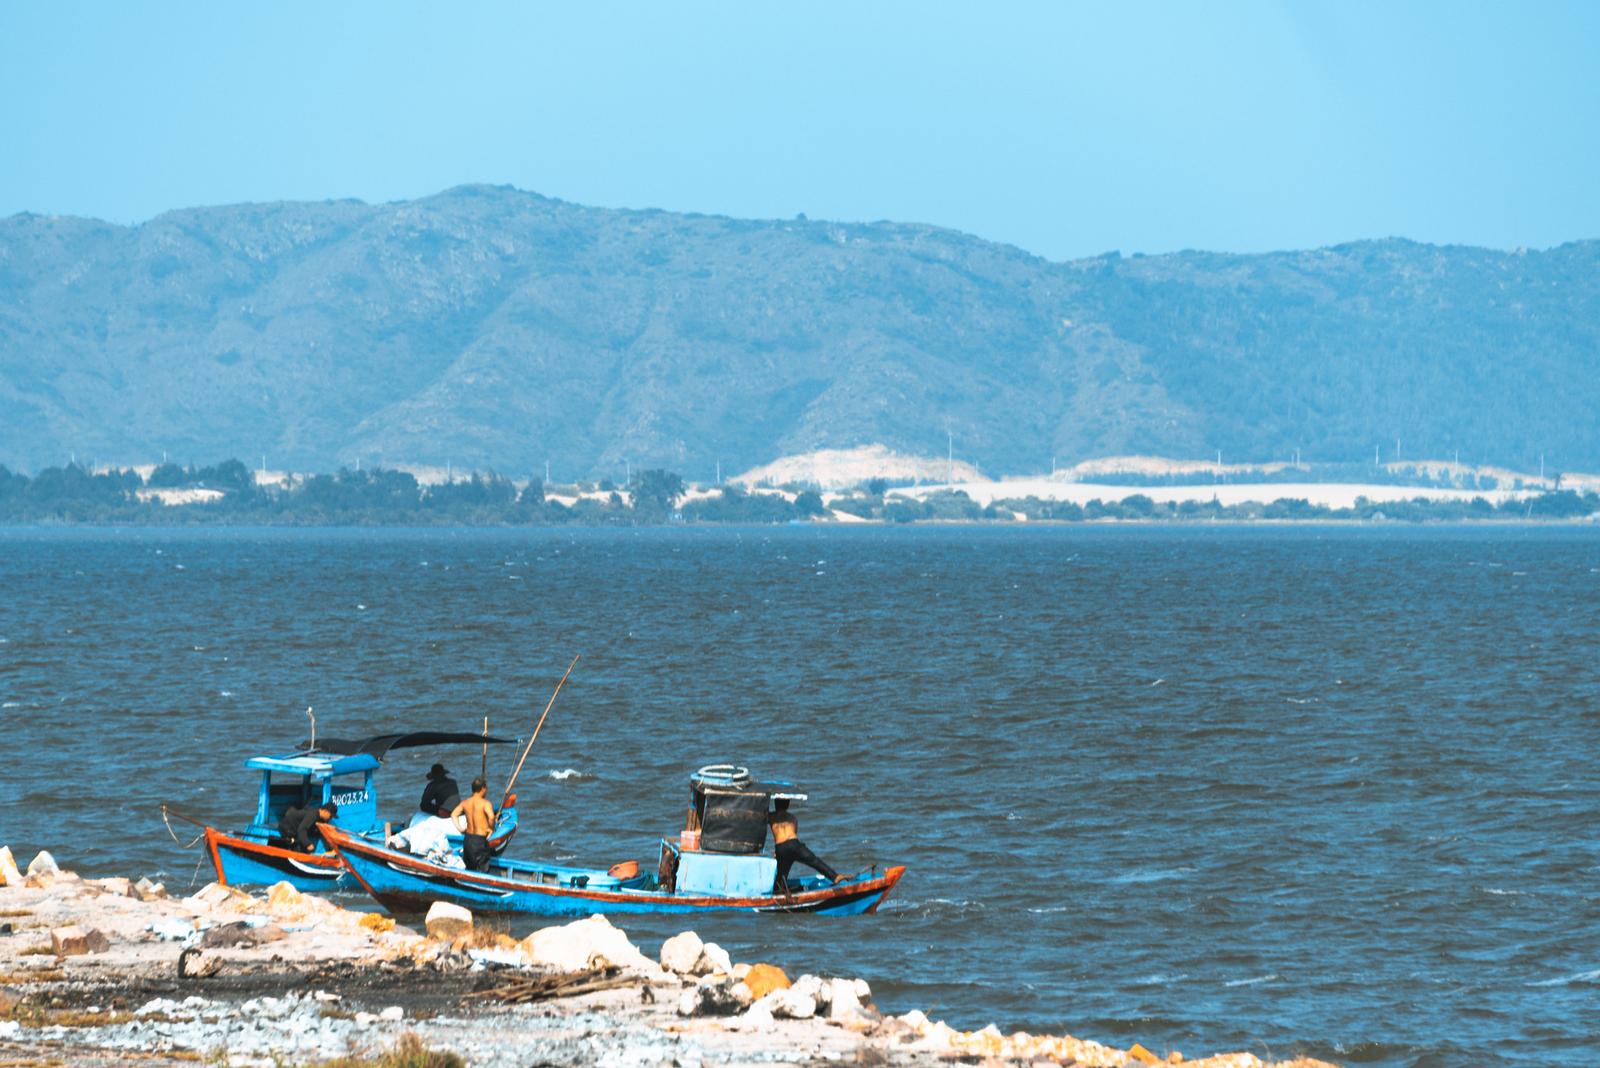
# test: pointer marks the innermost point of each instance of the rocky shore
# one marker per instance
(112, 971)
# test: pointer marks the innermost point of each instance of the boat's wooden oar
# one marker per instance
(529, 747)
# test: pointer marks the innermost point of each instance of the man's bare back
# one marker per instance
(479, 813)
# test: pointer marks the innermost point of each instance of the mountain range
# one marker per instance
(491, 328)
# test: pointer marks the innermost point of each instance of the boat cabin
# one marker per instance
(721, 850)
(338, 770)
(316, 778)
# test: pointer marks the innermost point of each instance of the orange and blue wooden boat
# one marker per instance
(336, 770)
(716, 865)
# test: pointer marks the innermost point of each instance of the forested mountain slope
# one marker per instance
(493, 328)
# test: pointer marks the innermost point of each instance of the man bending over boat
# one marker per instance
(298, 826)
(480, 821)
(429, 838)
(788, 848)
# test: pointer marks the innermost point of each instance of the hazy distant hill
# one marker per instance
(494, 328)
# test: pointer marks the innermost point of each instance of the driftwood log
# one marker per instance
(565, 985)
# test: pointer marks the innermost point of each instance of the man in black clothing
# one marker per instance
(788, 848)
(298, 827)
(440, 789)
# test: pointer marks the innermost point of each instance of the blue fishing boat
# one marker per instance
(333, 770)
(717, 864)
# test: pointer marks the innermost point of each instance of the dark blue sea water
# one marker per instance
(1287, 790)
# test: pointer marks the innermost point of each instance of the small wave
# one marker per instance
(1153, 875)
(1252, 982)
(11, 704)
(1581, 977)
(361, 608)
(224, 693)
(1497, 892)
(1159, 980)
(569, 775)
(1301, 700)
(1050, 909)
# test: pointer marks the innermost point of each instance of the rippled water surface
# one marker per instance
(1287, 790)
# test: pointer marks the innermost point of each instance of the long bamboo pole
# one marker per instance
(537, 728)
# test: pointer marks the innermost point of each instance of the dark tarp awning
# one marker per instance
(382, 743)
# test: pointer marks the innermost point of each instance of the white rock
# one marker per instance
(392, 1014)
(447, 921)
(917, 1020)
(511, 958)
(758, 1016)
(214, 896)
(788, 1004)
(9, 875)
(843, 1004)
(713, 958)
(818, 990)
(741, 970)
(326, 997)
(365, 1019)
(586, 944)
(172, 929)
(681, 953)
(863, 991)
(10, 1029)
(43, 864)
(145, 890)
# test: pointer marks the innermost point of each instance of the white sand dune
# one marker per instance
(1326, 494)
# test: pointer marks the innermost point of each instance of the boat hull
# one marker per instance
(246, 860)
(251, 862)
(405, 883)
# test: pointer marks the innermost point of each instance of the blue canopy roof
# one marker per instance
(317, 765)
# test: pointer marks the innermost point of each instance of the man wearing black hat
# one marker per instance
(441, 791)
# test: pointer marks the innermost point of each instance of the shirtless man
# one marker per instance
(788, 848)
(480, 821)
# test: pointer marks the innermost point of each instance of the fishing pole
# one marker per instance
(539, 726)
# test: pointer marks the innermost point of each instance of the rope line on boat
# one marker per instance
(165, 812)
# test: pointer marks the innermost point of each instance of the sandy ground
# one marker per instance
(313, 981)
(839, 468)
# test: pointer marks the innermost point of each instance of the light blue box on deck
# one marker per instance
(726, 874)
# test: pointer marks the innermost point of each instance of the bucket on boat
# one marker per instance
(689, 841)
(626, 870)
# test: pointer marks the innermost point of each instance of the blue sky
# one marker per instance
(1068, 129)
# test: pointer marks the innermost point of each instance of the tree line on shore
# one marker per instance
(230, 494)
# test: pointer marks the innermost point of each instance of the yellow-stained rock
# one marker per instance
(1142, 1055)
(284, 895)
(763, 979)
(446, 921)
(9, 875)
(377, 923)
(1174, 1057)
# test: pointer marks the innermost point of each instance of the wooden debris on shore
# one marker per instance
(564, 985)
